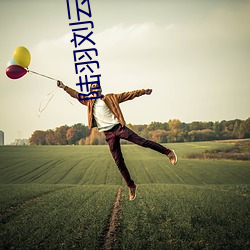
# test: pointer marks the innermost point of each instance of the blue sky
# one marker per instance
(195, 55)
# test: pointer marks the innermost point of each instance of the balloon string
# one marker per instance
(50, 96)
(71, 103)
(31, 71)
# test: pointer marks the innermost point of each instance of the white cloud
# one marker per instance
(123, 33)
(192, 57)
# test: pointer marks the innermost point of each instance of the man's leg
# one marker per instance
(129, 135)
(115, 149)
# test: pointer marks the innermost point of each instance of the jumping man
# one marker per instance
(105, 114)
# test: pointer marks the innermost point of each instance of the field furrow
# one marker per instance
(112, 234)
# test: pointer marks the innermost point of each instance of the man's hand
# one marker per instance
(60, 84)
(148, 91)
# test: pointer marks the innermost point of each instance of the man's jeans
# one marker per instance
(113, 137)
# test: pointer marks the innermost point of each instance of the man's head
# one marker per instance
(95, 87)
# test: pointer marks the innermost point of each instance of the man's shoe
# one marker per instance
(172, 157)
(132, 193)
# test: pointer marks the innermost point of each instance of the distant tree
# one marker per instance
(159, 135)
(217, 129)
(196, 126)
(208, 135)
(202, 135)
(244, 129)
(185, 130)
(141, 130)
(76, 133)
(227, 130)
(94, 141)
(157, 126)
(86, 141)
(37, 138)
(175, 124)
(236, 128)
(82, 142)
(70, 136)
(145, 133)
(81, 130)
(50, 137)
(60, 134)
(175, 133)
(132, 127)
(96, 137)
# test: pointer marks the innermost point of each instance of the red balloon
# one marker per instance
(15, 71)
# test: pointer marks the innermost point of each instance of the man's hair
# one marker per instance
(92, 89)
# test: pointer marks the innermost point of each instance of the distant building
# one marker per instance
(1, 138)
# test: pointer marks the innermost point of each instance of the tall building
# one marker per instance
(1, 138)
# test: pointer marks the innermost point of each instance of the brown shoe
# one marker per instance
(132, 193)
(172, 157)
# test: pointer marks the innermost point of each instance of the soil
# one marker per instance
(112, 231)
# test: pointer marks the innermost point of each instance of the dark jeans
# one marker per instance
(113, 137)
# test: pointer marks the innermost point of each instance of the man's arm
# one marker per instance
(73, 93)
(132, 94)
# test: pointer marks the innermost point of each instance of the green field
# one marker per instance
(62, 197)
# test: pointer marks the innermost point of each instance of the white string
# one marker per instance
(71, 103)
(49, 96)
(51, 78)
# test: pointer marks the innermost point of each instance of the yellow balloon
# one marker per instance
(22, 56)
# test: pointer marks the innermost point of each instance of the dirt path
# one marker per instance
(111, 235)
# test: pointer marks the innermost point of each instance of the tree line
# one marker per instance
(172, 131)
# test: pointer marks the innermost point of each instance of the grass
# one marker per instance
(61, 197)
(240, 150)
(187, 217)
(57, 165)
(65, 218)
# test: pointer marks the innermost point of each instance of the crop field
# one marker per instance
(73, 197)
